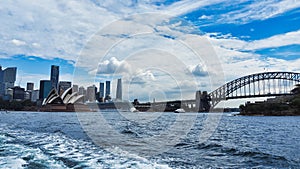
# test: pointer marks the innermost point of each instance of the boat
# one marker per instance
(179, 110)
(133, 109)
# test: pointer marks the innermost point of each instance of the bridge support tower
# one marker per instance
(202, 101)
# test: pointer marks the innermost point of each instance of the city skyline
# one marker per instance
(35, 86)
(11, 91)
(240, 34)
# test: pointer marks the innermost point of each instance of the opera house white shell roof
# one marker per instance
(66, 98)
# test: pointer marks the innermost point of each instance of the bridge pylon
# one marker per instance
(202, 101)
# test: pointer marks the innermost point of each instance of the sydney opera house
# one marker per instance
(67, 101)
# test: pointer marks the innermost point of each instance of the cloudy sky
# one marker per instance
(161, 49)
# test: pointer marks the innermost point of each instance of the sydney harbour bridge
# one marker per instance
(266, 84)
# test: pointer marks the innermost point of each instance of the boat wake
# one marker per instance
(27, 149)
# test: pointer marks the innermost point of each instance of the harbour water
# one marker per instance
(57, 140)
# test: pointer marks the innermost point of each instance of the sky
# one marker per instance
(161, 49)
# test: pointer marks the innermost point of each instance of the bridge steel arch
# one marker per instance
(224, 92)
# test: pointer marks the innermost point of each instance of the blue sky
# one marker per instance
(246, 36)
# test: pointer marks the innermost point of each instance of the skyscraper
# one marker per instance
(119, 90)
(91, 93)
(29, 89)
(29, 86)
(107, 88)
(18, 93)
(45, 88)
(9, 75)
(75, 88)
(54, 77)
(35, 95)
(82, 91)
(101, 90)
(7, 79)
(63, 86)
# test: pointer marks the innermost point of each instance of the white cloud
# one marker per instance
(142, 77)
(183, 7)
(233, 48)
(53, 28)
(205, 17)
(61, 28)
(259, 10)
(113, 66)
(18, 42)
(290, 38)
(37, 45)
(198, 70)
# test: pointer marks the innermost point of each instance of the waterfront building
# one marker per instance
(27, 95)
(7, 79)
(8, 94)
(91, 93)
(29, 89)
(35, 95)
(119, 90)
(18, 93)
(54, 77)
(101, 90)
(107, 88)
(63, 86)
(82, 91)
(100, 94)
(198, 101)
(75, 88)
(29, 86)
(2, 90)
(45, 88)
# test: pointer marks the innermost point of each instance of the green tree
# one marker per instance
(16, 105)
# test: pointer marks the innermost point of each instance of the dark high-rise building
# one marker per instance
(45, 88)
(101, 90)
(1, 74)
(29, 89)
(7, 79)
(2, 89)
(63, 86)
(54, 77)
(119, 90)
(29, 86)
(18, 93)
(107, 88)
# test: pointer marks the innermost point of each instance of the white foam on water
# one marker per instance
(23, 148)
(11, 162)
(20, 156)
(142, 162)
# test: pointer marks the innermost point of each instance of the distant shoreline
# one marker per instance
(279, 106)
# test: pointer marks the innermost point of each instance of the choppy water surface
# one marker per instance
(57, 140)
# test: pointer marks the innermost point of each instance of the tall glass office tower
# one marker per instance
(119, 90)
(7, 79)
(101, 90)
(54, 77)
(45, 88)
(107, 87)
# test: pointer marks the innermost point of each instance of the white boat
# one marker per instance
(133, 109)
(179, 111)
